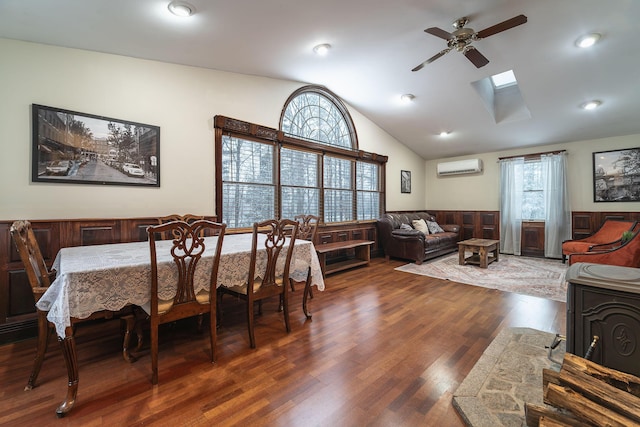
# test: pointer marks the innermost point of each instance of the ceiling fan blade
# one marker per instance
(439, 32)
(505, 25)
(433, 58)
(478, 59)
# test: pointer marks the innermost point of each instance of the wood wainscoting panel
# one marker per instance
(468, 224)
(17, 310)
(532, 243)
(584, 224)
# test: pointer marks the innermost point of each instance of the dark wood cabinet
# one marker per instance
(603, 301)
(532, 243)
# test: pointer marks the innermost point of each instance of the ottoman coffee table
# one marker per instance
(484, 251)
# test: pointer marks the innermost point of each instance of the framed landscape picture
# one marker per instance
(616, 175)
(405, 181)
(79, 148)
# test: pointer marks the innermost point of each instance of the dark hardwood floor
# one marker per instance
(384, 348)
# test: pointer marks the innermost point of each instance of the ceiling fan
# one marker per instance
(462, 37)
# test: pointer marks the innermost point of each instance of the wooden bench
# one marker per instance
(362, 255)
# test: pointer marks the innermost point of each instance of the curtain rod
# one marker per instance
(528, 156)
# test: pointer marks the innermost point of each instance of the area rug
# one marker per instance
(539, 277)
(508, 374)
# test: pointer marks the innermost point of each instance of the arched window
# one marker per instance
(314, 113)
(311, 165)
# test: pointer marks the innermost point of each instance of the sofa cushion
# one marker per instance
(434, 227)
(421, 225)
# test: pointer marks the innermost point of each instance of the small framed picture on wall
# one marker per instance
(405, 181)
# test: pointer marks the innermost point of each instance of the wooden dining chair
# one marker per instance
(263, 281)
(188, 218)
(307, 230)
(185, 287)
(40, 278)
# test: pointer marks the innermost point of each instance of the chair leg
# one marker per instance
(252, 338)
(199, 320)
(219, 296)
(307, 292)
(130, 324)
(41, 349)
(213, 335)
(154, 353)
(286, 310)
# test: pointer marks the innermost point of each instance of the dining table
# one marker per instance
(109, 277)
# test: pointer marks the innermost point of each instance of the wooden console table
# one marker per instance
(485, 251)
(362, 255)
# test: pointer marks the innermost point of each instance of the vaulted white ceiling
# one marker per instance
(375, 44)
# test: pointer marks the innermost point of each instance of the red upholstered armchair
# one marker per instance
(625, 255)
(606, 237)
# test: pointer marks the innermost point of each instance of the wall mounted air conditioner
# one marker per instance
(460, 167)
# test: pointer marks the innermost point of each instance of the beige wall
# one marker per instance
(181, 100)
(482, 191)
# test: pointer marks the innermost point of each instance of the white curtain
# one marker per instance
(557, 222)
(511, 187)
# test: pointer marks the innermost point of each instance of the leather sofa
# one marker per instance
(412, 244)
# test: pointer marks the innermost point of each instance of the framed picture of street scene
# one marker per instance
(79, 148)
(616, 175)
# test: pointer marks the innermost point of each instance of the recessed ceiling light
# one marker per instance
(407, 98)
(445, 133)
(588, 40)
(590, 105)
(322, 49)
(181, 8)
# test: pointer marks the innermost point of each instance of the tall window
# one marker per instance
(533, 207)
(311, 166)
(368, 190)
(534, 189)
(299, 172)
(248, 184)
(338, 189)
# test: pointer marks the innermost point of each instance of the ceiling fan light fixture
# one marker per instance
(591, 105)
(322, 49)
(407, 98)
(587, 40)
(181, 8)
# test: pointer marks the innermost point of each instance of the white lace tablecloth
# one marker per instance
(108, 277)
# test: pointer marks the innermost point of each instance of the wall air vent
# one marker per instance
(460, 167)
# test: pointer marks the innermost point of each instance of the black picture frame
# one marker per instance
(69, 147)
(405, 181)
(616, 175)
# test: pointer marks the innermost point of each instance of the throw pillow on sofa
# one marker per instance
(434, 227)
(405, 227)
(420, 225)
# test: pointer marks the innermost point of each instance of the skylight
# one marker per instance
(504, 79)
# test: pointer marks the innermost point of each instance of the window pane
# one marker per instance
(300, 201)
(338, 205)
(532, 176)
(313, 116)
(533, 205)
(368, 205)
(244, 204)
(299, 168)
(246, 161)
(366, 176)
(337, 173)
